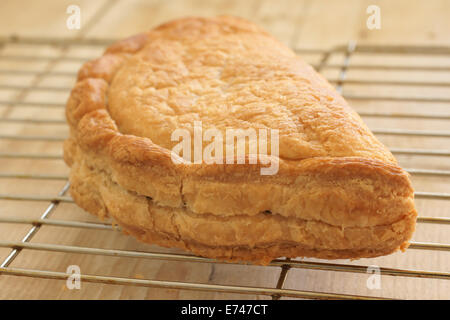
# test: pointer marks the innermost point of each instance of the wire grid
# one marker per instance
(285, 265)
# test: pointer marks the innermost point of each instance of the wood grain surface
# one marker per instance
(39, 87)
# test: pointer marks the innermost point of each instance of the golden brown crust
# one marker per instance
(333, 173)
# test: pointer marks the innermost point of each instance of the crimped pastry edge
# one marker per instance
(347, 203)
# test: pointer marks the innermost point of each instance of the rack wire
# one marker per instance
(284, 265)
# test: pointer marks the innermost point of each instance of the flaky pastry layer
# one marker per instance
(257, 238)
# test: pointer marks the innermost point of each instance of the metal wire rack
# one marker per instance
(22, 97)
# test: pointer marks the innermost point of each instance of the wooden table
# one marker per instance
(300, 24)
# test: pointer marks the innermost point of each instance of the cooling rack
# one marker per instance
(402, 92)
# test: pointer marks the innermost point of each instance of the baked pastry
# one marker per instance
(337, 192)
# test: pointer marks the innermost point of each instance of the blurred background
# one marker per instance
(305, 23)
(389, 59)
